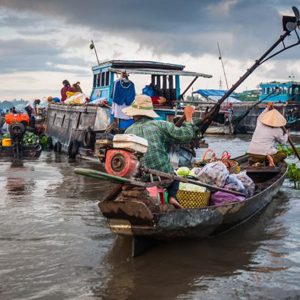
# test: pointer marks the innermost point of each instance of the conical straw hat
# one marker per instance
(273, 118)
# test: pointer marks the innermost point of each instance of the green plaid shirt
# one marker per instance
(160, 134)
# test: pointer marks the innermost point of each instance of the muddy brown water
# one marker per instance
(54, 244)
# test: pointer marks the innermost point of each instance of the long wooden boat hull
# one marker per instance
(184, 223)
(134, 218)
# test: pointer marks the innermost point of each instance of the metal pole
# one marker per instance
(220, 58)
(93, 47)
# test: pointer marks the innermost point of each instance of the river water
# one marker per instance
(54, 244)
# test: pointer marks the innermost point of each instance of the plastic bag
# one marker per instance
(78, 98)
(221, 198)
(214, 173)
(247, 182)
(234, 184)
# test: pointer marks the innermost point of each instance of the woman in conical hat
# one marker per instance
(267, 133)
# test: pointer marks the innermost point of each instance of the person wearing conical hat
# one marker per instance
(160, 135)
(267, 133)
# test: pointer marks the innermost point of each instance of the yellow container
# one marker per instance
(193, 199)
(6, 142)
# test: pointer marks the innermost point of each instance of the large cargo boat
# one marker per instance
(74, 128)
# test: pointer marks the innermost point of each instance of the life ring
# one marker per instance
(89, 138)
(57, 147)
(73, 149)
(50, 143)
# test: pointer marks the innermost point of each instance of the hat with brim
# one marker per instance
(141, 106)
(273, 118)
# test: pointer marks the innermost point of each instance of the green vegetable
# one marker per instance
(294, 175)
(183, 171)
(30, 139)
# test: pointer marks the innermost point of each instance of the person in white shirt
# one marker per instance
(267, 133)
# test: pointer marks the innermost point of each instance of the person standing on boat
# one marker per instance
(66, 88)
(122, 96)
(160, 134)
(267, 133)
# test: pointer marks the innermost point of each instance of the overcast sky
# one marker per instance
(43, 42)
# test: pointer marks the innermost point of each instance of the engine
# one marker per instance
(121, 154)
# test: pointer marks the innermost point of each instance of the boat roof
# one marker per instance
(136, 64)
(159, 72)
(216, 95)
(147, 67)
(277, 83)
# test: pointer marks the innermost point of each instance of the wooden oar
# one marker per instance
(187, 180)
(115, 179)
(291, 143)
(122, 180)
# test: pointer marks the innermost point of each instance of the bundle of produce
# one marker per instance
(30, 139)
(6, 135)
(45, 142)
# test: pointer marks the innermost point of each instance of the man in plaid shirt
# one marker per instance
(160, 135)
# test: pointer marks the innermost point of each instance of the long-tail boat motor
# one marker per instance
(103, 142)
(124, 158)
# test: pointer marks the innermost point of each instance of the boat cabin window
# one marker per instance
(101, 79)
(164, 86)
(107, 78)
(95, 80)
(98, 79)
(296, 90)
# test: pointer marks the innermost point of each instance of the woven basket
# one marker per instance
(193, 199)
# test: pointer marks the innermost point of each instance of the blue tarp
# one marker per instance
(215, 95)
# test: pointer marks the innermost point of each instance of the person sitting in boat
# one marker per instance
(36, 103)
(13, 110)
(268, 131)
(76, 87)
(122, 96)
(66, 88)
(160, 134)
(229, 117)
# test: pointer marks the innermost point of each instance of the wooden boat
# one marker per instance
(25, 152)
(135, 218)
(18, 147)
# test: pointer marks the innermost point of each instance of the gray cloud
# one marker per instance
(244, 28)
(35, 55)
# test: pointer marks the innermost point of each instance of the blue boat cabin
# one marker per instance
(280, 92)
(164, 76)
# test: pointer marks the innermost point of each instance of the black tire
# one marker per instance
(73, 149)
(50, 143)
(57, 147)
(89, 139)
